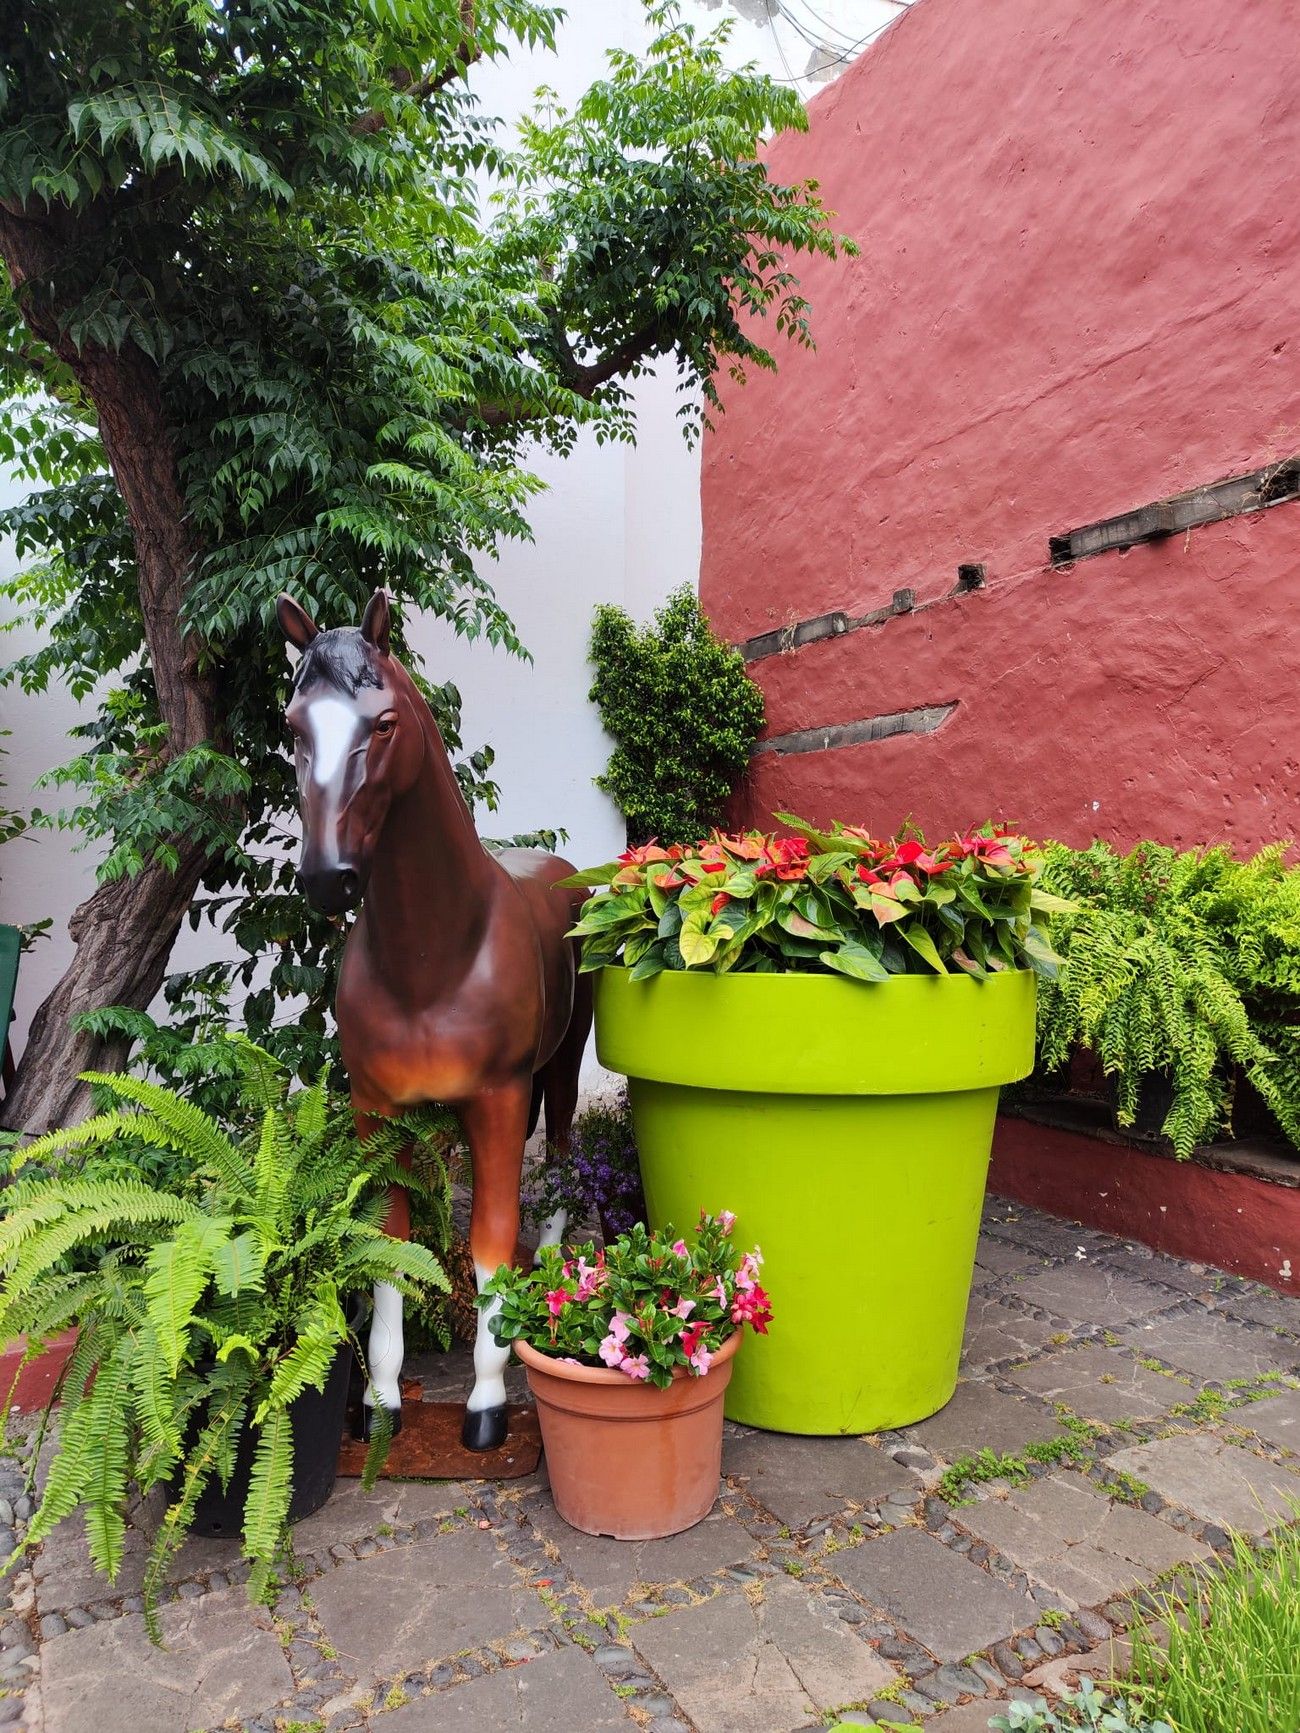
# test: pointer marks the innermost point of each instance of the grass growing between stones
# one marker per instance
(1229, 1661)
(1072, 1446)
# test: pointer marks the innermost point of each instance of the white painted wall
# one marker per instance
(616, 525)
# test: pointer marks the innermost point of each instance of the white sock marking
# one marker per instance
(386, 1349)
(490, 1362)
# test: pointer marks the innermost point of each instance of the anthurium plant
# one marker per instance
(840, 901)
(645, 1305)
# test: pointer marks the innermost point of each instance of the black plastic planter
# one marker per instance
(1155, 1096)
(316, 1418)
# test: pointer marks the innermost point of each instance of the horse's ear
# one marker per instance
(377, 621)
(295, 622)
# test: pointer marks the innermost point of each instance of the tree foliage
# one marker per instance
(282, 310)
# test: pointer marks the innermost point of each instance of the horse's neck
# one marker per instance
(430, 884)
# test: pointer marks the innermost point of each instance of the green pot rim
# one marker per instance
(806, 1034)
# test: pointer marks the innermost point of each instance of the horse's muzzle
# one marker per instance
(332, 890)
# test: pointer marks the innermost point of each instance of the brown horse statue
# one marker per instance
(457, 984)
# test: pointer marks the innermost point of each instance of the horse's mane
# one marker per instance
(342, 657)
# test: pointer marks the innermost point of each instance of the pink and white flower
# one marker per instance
(612, 1350)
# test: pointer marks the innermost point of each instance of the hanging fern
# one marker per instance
(1179, 963)
(204, 1309)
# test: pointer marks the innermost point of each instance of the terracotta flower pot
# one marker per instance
(628, 1459)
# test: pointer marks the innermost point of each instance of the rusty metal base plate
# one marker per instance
(429, 1448)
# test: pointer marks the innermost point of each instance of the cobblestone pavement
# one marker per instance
(1147, 1406)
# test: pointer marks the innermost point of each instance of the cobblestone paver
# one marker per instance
(1119, 1413)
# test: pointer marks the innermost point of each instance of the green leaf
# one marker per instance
(696, 943)
(855, 959)
(915, 935)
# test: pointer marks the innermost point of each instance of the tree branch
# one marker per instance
(406, 83)
(586, 378)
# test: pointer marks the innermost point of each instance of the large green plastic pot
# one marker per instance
(849, 1126)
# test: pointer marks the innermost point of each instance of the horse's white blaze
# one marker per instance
(333, 727)
(386, 1349)
(489, 1361)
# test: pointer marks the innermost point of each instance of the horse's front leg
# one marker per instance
(386, 1349)
(496, 1126)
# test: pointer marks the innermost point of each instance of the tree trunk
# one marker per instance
(125, 931)
(124, 934)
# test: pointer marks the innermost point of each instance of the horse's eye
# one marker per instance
(385, 725)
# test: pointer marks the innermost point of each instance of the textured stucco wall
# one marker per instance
(1078, 293)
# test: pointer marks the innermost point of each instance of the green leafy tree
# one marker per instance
(683, 713)
(257, 332)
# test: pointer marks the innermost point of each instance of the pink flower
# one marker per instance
(636, 1366)
(682, 1309)
(720, 1292)
(747, 1274)
(701, 1359)
(691, 1339)
(590, 1278)
(679, 1246)
(557, 1300)
(754, 1308)
(612, 1351)
(727, 1220)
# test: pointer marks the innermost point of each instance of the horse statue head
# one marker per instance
(360, 733)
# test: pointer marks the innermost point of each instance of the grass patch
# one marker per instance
(1126, 1486)
(1072, 1445)
(1231, 1660)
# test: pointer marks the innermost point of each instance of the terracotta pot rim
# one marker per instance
(609, 1376)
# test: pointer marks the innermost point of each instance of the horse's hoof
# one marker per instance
(365, 1427)
(484, 1428)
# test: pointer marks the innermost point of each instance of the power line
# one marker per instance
(850, 52)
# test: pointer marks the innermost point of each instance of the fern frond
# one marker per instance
(318, 1331)
(108, 1431)
(269, 1488)
(200, 1135)
(178, 1273)
(239, 1264)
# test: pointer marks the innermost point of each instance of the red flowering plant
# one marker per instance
(645, 1305)
(838, 901)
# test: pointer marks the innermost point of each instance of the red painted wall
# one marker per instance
(1078, 293)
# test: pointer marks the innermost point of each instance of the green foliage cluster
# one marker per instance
(1185, 964)
(265, 252)
(1227, 1657)
(1086, 1708)
(205, 1301)
(839, 901)
(683, 715)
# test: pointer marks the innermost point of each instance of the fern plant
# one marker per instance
(204, 1306)
(1163, 972)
